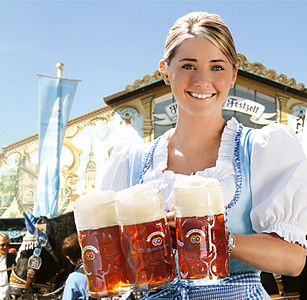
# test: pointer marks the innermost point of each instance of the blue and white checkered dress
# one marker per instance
(240, 286)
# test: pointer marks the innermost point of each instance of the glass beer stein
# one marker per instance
(145, 237)
(201, 234)
(99, 237)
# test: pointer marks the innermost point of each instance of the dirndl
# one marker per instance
(239, 286)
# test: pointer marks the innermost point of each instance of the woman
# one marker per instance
(263, 171)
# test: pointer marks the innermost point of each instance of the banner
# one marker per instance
(55, 100)
(249, 107)
(245, 106)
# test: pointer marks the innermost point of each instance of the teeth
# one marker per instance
(201, 96)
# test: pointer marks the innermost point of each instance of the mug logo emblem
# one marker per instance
(90, 255)
(195, 239)
(157, 241)
(156, 238)
(195, 235)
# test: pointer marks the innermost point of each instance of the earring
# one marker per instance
(166, 81)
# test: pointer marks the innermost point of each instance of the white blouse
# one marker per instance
(278, 177)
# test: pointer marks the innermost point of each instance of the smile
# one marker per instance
(201, 96)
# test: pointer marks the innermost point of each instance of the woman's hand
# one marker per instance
(170, 217)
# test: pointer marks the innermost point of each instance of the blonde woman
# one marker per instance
(263, 171)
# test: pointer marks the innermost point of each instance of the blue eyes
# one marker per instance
(217, 68)
(188, 67)
(213, 68)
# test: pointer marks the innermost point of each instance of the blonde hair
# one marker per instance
(201, 24)
(5, 237)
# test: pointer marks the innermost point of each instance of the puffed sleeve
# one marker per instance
(279, 183)
(115, 175)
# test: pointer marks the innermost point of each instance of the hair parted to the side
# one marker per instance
(200, 24)
(71, 248)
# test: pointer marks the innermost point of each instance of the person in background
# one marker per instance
(263, 171)
(7, 261)
(76, 283)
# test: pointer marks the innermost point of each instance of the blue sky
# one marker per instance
(109, 44)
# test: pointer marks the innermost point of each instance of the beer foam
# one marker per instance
(95, 210)
(196, 196)
(139, 204)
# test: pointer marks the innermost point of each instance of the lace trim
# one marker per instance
(237, 166)
(148, 158)
(227, 142)
(161, 151)
(288, 232)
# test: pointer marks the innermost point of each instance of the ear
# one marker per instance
(164, 72)
(32, 218)
(30, 225)
(234, 76)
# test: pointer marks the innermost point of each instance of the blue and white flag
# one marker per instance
(55, 100)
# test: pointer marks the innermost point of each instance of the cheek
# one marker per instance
(179, 82)
(223, 84)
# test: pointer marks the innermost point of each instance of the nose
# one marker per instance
(202, 78)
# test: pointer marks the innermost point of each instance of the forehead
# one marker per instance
(199, 48)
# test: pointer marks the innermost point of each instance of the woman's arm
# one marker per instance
(270, 253)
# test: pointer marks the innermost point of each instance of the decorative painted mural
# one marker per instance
(85, 153)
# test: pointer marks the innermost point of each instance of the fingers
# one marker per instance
(172, 226)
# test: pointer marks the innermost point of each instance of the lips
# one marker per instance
(201, 96)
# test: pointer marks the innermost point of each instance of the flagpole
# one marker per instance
(59, 69)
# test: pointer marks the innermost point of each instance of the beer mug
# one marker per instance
(201, 234)
(99, 237)
(145, 237)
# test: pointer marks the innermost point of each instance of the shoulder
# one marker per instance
(76, 278)
(76, 281)
(75, 286)
(125, 150)
(278, 138)
(120, 149)
(274, 131)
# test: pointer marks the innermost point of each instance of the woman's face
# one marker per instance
(200, 76)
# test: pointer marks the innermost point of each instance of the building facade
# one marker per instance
(138, 114)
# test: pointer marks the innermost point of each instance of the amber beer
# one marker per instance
(201, 231)
(99, 237)
(145, 237)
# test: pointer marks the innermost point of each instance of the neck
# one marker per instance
(194, 145)
(198, 133)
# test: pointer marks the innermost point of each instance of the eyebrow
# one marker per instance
(195, 60)
(188, 59)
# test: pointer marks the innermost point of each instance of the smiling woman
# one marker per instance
(264, 183)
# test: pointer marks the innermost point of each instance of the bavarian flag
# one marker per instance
(55, 100)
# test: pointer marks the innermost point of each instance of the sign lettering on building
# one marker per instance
(253, 109)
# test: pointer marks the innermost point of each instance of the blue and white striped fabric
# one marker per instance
(240, 286)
